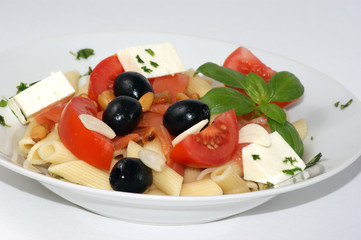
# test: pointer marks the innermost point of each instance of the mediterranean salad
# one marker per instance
(144, 123)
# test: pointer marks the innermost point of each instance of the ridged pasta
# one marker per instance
(80, 172)
(133, 149)
(228, 180)
(154, 145)
(73, 78)
(198, 84)
(205, 187)
(55, 152)
(83, 88)
(168, 181)
(26, 143)
(235, 167)
(301, 127)
(33, 156)
(191, 174)
(153, 190)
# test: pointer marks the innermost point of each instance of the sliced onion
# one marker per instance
(254, 133)
(153, 160)
(196, 128)
(94, 124)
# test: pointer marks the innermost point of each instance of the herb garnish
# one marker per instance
(343, 106)
(290, 160)
(3, 102)
(150, 51)
(256, 157)
(147, 70)
(282, 87)
(23, 86)
(90, 70)
(2, 121)
(139, 59)
(154, 64)
(336, 103)
(291, 171)
(314, 160)
(269, 185)
(83, 53)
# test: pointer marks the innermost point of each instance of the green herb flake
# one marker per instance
(3, 102)
(150, 51)
(2, 121)
(147, 70)
(256, 157)
(291, 171)
(22, 86)
(139, 59)
(90, 70)
(336, 104)
(83, 53)
(311, 138)
(290, 160)
(154, 64)
(343, 106)
(314, 160)
(269, 185)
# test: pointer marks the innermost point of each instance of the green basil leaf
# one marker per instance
(289, 134)
(273, 111)
(257, 89)
(224, 75)
(284, 87)
(222, 99)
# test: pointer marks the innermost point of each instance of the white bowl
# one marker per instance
(335, 132)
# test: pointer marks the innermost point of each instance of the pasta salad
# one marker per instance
(144, 123)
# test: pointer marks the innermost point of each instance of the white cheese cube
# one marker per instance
(12, 134)
(151, 60)
(41, 95)
(266, 164)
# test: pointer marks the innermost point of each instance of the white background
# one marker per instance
(323, 34)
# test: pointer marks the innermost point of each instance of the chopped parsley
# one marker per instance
(291, 171)
(150, 51)
(3, 102)
(290, 160)
(311, 138)
(343, 106)
(256, 157)
(90, 70)
(139, 59)
(269, 185)
(147, 70)
(83, 53)
(22, 86)
(336, 104)
(314, 160)
(2, 121)
(154, 64)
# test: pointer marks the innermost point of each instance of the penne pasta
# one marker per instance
(301, 127)
(81, 173)
(26, 143)
(168, 181)
(191, 174)
(83, 88)
(154, 145)
(73, 78)
(55, 152)
(205, 187)
(228, 180)
(133, 149)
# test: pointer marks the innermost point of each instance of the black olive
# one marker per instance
(131, 84)
(130, 175)
(184, 114)
(122, 114)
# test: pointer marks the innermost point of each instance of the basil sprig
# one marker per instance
(282, 87)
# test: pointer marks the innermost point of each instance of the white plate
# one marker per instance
(335, 132)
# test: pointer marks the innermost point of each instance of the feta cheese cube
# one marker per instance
(272, 164)
(151, 60)
(41, 95)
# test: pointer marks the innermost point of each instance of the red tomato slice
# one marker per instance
(122, 141)
(51, 116)
(85, 144)
(213, 146)
(244, 61)
(174, 84)
(103, 76)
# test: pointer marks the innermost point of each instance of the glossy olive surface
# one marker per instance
(184, 114)
(131, 84)
(130, 175)
(122, 114)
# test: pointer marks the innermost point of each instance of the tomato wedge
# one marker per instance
(103, 76)
(51, 116)
(213, 146)
(244, 61)
(85, 144)
(174, 84)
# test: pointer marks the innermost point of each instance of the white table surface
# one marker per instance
(323, 34)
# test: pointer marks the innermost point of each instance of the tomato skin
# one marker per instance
(85, 144)
(51, 116)
(174, 84)
(194, 150)
(103, 76)
(244, 61)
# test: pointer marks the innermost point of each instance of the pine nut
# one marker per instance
(149, 135)
(160, 98)
(84, 95)
(166, 92)
(181, 96)
(194, 96)
(39, 132)
(105, 98)
(146, 101)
